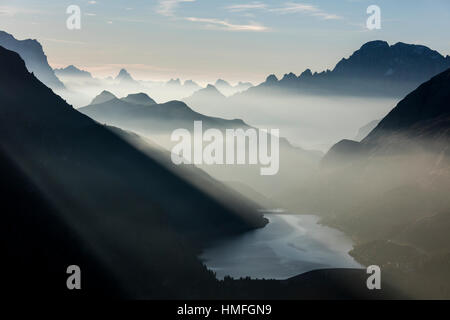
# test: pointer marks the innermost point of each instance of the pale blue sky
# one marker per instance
(210, 39)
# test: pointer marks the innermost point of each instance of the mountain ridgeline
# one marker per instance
(376, 69)
(35, 59)
(140, 113)
(73, 72)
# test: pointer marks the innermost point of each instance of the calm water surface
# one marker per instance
(289, 245)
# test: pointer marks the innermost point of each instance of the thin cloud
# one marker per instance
(286, 8)
(327, 16)
(225, 25)
(249, 6)
(167, 7)
(292, 7)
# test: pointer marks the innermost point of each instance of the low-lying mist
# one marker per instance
(311, 122)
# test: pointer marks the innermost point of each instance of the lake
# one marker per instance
(289, 245)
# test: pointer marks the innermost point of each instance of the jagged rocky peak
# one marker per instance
(289, 76)
(306, 74)
(124, 75)
(271, 79)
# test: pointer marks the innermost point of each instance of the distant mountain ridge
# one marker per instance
(104, 96)
(227, 89)
(35, 59)
(139, 98)
(72, 71)
(375, 69)
(208, 95)
(140, 111)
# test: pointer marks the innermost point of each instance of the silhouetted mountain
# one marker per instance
(420, 120)
(124, 77)
(35, 59)
(138, 98)
(375, 69)
(117, 201)
(270, 80)
(153, 118)
(423, 114)
(399, 62)
(104, 96)
(73, 72)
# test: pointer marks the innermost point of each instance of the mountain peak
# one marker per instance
(375, 44)
(271, 79)
(306, 73)
(289, 76)
(124, 75)
(139, 98)
(104, 96)
(401, 62)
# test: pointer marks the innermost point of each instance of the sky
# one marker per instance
(236, 40)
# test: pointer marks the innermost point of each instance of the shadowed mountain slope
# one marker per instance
(35, 59)
(421, 121)
(57, 142)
